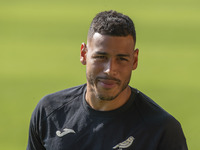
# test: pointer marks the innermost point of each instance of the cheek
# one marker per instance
(126, 72)
(93, 68)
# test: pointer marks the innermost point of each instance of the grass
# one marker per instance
(40, 43)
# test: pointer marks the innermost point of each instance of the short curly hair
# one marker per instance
(112, 23)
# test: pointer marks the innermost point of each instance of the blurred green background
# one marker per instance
(39, 54)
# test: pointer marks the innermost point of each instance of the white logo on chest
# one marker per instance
(124, 144)
(65, 131)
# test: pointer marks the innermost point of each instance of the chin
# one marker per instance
(104, 97)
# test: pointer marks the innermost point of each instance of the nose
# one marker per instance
(110, 67)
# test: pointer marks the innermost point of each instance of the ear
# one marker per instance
(135, 55)
(83, 53)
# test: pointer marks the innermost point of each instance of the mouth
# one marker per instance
(108, 83)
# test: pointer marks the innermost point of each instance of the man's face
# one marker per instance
(109, 64)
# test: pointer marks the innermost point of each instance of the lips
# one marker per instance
(108, 83)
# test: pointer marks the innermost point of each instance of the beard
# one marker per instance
(102, 94)
(110, 98)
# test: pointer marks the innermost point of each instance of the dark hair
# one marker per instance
(112, 23)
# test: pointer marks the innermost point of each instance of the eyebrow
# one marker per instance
(123, 55)
(119, 55)
(101, 53)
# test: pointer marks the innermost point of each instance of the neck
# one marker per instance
(107, 105)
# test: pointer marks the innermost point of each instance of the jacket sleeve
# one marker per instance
(173, 137)
(35, 138)
(34, 142)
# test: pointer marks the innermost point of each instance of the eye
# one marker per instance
(100, 57)
(123, 59)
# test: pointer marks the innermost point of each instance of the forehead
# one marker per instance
(111, 43)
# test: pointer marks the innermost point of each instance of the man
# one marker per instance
(105, 113)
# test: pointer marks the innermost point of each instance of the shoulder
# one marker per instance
(54, 101)
(151, 112)
(159, 123)
(63, 96)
